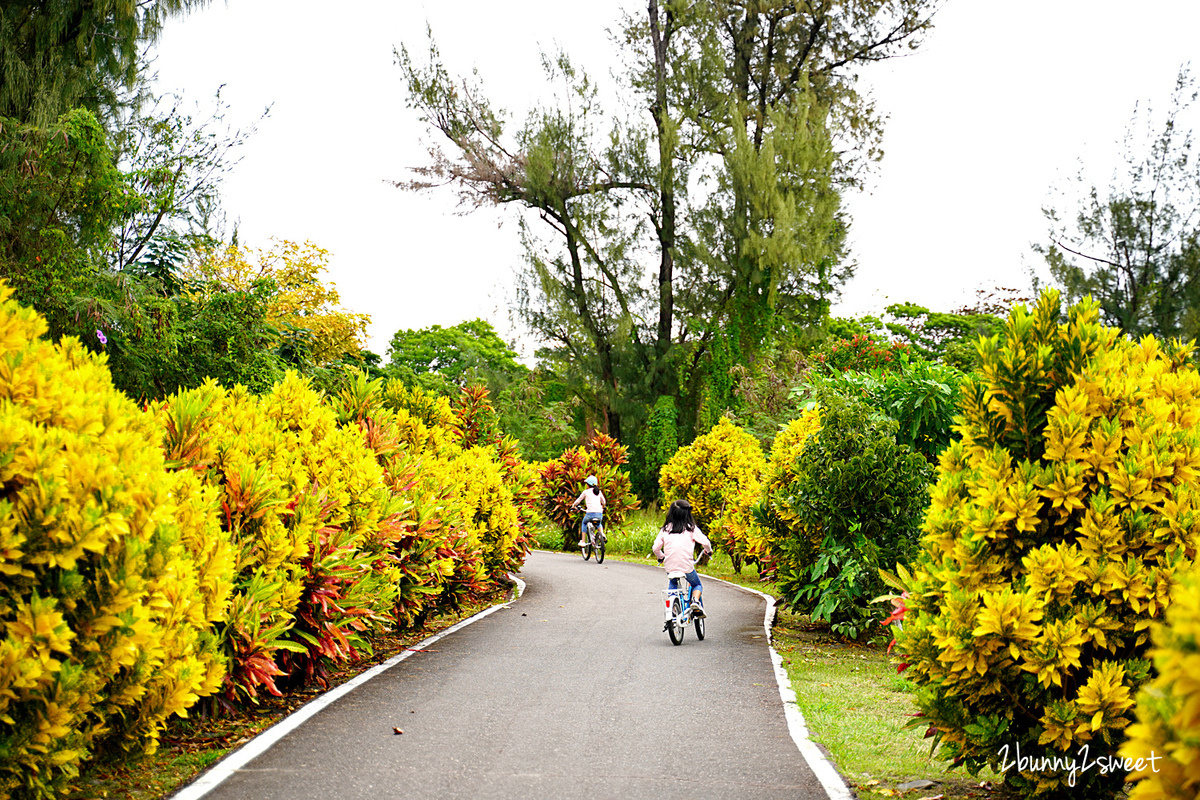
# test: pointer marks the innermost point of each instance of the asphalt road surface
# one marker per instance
(575, 691)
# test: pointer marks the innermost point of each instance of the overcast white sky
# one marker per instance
(997, 108)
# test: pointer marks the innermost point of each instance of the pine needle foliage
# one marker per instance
(74, 53)
(1057, 526)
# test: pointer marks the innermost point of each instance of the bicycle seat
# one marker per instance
(675, 573)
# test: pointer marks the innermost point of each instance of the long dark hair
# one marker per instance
(679, 517)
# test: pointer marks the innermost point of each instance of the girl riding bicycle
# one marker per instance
(593, 506)
(675, 548)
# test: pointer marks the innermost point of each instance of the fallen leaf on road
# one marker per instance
(397, 730)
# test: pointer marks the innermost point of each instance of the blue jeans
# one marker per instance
(693, 579)
(588, 517)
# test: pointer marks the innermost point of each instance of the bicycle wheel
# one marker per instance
(586, 550)
(674, 627)
(699, 621)
(600, 541)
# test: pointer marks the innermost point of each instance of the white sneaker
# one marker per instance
(698, 611)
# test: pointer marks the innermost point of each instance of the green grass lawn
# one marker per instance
(856, 706)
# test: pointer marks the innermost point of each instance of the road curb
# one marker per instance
(834, 785)
(231, 763)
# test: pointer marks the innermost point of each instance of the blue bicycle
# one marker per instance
(679, 609)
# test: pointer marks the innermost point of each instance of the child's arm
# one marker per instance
(658, 546)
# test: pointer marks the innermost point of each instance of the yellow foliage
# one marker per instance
(460, 530)
(104, 611)
(720, 474)
(302, 299)
(291, 481)
(1064, 514)
(781, 473)
(1168, 710)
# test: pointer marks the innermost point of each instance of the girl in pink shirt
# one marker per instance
(675, 548)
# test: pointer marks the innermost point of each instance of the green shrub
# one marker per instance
(921, 396)
(103, 609)
(842, 502)
(1056, 528)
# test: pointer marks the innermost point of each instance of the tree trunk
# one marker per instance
(660, 33)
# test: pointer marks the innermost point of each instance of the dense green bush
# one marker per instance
(841, 503)
(921, 396)
(1056, 528)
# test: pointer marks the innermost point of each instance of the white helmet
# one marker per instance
(591, 480)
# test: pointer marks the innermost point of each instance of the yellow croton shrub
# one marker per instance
(720, 473)
(1058, 528)
(1165, 741)
(104, 612)
(779, 495)
(303, 299)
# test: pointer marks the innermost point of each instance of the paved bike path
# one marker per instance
(574, 691)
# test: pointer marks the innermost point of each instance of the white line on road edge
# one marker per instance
(830, 780)
(259, 744)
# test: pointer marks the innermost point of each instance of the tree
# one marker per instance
(447, 359)
(759, 97)
(172, 344)
(306, 309)
(1135, 246)
(534, 410)
(173, 164)
(76, 53)
(60, 195)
